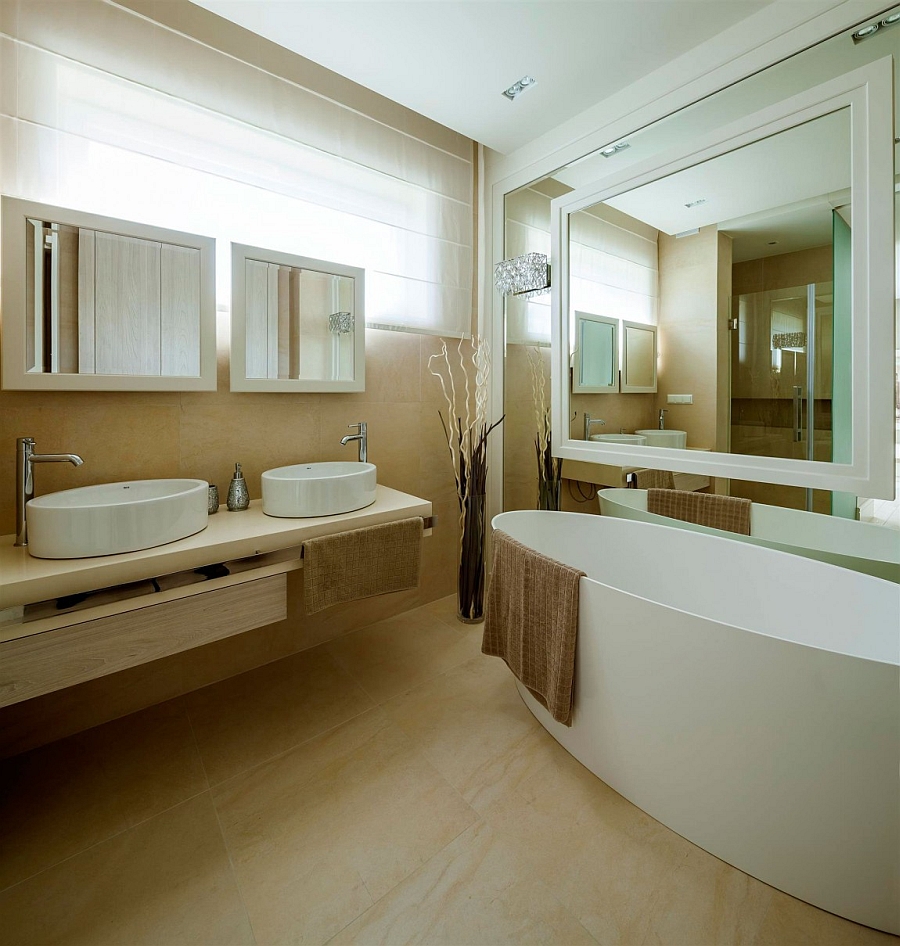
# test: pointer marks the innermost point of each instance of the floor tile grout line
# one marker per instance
(110, 837)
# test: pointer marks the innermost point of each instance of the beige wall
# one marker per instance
(138, 435)
(694, 287)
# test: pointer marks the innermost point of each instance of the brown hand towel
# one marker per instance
(361, 563)
(531, 622)
(653, 479)
(730, 513)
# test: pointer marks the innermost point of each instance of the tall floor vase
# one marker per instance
(470, 585)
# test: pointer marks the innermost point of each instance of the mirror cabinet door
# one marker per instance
(297, 323)
(94, 303)
(638, 358)
(596, 362)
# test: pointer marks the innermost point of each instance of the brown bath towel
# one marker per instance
(705, 509)
(531, 622)
(652, 479)
(361, 563)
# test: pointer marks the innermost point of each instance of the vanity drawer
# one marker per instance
(66, 656)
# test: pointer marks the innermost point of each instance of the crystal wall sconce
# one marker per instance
(789, 341)
(527, 275)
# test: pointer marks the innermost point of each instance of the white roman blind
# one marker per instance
(156, 127)
(613, 261)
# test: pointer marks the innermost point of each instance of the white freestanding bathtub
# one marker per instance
(747, 698)
(862, 546)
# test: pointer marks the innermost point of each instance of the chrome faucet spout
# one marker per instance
(361, 438)
(25, 460)
(662, 419)
(588, 422)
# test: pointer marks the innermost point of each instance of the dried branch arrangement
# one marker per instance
(464, 380)
(549, 467)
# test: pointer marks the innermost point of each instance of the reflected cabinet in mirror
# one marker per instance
(94, 303)
(760, 257)
(595, 367)
(298, 324)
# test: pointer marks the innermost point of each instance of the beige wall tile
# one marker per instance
(320, 833)
(167, 880)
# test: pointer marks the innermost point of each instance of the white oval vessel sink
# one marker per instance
(636, 439)
(665, 438)
(317, 489)
(115, 517)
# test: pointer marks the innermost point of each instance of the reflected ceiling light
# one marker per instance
(527, 275)
(517, 88)
(696, 203)
(614, 149)
(865, 32)
(891, 19)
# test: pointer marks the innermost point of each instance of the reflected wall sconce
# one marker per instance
(340, 323)
(527, 276)
(789, 341)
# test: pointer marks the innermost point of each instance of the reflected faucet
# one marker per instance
(25, 460)
(662, 419)
(361, 438)
(588, 420)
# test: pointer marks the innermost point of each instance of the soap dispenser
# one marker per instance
(238, 496)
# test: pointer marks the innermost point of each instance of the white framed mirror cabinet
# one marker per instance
(92, 303)
(298, 324)
(595, 361)
(815, 168)
(639, 355)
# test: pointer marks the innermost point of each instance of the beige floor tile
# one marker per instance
(166, 881)
(62, 798)
(320, 833)
(792, 922)
(398, 653)
(705, 900)
(247, 719)
(475, 891)
(474, 728)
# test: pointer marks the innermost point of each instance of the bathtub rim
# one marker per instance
(892, 661)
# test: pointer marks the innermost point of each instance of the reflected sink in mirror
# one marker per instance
(317, 489)
(634, 439)
(665, 438)
(115, 517)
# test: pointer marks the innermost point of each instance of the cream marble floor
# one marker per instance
(386, 787)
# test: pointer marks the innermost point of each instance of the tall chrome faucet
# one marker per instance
(662, 419)
(25, 460)
(588, 421)
(361, 438)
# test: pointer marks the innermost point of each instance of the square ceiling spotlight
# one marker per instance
(517, 88)
(527, 275)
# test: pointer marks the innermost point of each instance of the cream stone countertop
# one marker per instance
(229, 535)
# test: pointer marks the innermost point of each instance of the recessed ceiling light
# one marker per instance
(891, 19)
(696, 203)
(517, 88)
(865, 32)
(614, 149)
(773, 243)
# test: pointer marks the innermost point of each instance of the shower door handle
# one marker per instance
(798, 413)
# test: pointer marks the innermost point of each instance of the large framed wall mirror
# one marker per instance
(298, 324)
(94, 303)
(760, 256)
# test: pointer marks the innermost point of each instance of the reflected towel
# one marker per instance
(653, 479)
(531, 622)
(730, 513)
(358, 564)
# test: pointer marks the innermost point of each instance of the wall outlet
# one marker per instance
(681, 399)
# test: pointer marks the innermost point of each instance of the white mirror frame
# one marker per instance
(577, 386)
(869, 94)
(239, 380)
(624, 386)
(13, 295)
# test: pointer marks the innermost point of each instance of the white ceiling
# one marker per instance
(451, 59)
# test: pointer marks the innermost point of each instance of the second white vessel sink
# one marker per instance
(665, 438)
(635, 439)
(317, 489)
(115, 517)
